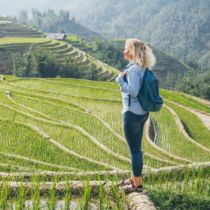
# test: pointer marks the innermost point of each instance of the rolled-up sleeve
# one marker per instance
(119, 78)
(133, 82)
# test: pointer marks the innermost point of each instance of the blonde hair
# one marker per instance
(142, 53)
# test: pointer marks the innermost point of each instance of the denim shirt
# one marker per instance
(130, 85)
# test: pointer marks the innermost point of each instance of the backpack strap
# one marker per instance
(129, 100)
(129, 97)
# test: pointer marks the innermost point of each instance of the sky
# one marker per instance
(78, 8)
(11, 7)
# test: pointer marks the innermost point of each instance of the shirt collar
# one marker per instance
(130, 63)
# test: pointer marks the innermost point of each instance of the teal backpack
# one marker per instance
(148, 95)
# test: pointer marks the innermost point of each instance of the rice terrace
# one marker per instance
(62, 143)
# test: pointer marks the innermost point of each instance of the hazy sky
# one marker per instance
(11, 7)
(77, 8)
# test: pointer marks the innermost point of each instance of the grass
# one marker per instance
(68, 90)
(73, 38)
(184, 100)
(172, 139)
(58, 107)
(19, 137)
(194, 126)
(111, 114)
(21, 40)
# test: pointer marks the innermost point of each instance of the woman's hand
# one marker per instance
(122, 73)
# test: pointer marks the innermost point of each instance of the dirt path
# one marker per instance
(201, 100)
(205, 118)
(139, 201)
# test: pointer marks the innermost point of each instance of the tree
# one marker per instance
(46, 65)
(23, 16)
(91, 72)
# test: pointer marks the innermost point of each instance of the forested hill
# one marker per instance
(55, 22)
(179, 27)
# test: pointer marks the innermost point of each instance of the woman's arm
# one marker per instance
(133, 82)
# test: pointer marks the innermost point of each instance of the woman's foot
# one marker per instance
(132, 188)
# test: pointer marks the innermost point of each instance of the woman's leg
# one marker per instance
(138, 179)
(138, 159)
(133, 131)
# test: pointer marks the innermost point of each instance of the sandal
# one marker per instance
(132, 188)
(126, 182)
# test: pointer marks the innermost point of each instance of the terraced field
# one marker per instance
(59, 130)
(15, 37)
(9, 28)
(73, 128)
(82, 120)
(62, 51)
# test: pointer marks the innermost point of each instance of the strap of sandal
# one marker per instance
(132, 188)
(130, 180)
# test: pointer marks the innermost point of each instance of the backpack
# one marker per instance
(148, 95)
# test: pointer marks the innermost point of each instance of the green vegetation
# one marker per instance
(51, 58)
(73, 128)
(168, 69)
(59, 129)
(152, 21)
(39, 63)
(193, 125)
(80, 57)
(185, 100)
(197, 84)
(21, 40)
(103, 50)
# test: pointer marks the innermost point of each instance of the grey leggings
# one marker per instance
(133, 125)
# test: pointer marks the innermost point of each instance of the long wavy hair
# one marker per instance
(142, 53)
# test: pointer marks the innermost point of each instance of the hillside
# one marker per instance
(51, 21)
(79, 52)
(168, 70)
(9, 28)
(74, 126)
(63, 143)
(178, 27)
(21, 39)
(61, 50)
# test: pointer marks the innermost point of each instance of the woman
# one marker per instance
(140, 58)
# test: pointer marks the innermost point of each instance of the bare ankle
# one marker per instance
(137, 180)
